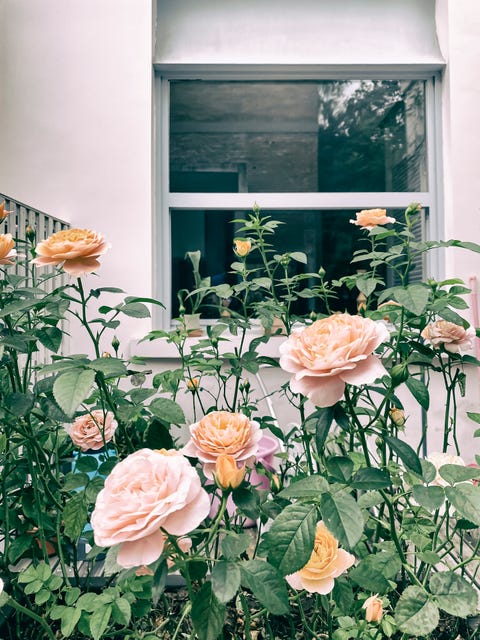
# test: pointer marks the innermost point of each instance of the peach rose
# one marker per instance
(326, 563)
(369, 218)
(146, 492)
(438, 459)
(7, 250)
(331, 352)
(373, 608)
(92, 430)
(227, 474)
(452, 336)
(3, 212)
(242, 247)
(77, 249)
(223, 432)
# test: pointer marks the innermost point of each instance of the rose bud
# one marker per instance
(227, 475)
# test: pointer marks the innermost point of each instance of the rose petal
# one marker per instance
(143, 551)
(365, 372)
(323, 392)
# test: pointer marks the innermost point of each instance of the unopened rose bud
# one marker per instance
(242, 247)
(227, 475)
(373, 608)
(415, 207)
(321, 272)
(397, 416)
(115, 343)
(30, 233)
(399, 374)
(275, 483)
(192, 384)
(245, 386)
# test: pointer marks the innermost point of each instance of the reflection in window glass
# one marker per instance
(327, 237)
(323, 136)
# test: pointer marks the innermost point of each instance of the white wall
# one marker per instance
(75, 122)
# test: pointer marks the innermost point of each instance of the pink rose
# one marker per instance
(77, 249)
(223, 432)
(7, 250)
(92, 430)
(331, 352)
(373, 608)
(146, 492)
(453, 337)
(326, 563)
(369, 218)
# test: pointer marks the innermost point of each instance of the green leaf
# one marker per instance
(374, 571)
(310, 487)
(454, 594)
(431, 498)
(208, 614)
(225, 580)
(291, 536)
(70, 617)
(135, 310)
(167, 410)
(405, 452)
(72, 595)
(247, 499)
(121, 611)
(19, 546)
(71, 388)
(75, 516)
(414, 298)
(110, 367)
(466, 500)
(340, 468)
(20, 403)
(369, 478)
(321, 422)
(342, 517)
(474, 416)
(343, 595)
(419, 391)
(99, 620)
(415, 613)
(159, 581)
(299, 256)
(454, 473)
(158, 436)
(86, 463)
(234, 544)
(366, 285)
(42, 596)
(266, 584)
(50, 338)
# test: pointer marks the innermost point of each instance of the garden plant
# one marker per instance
(126, 494)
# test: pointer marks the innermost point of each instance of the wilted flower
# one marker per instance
(92, 430)
(369, 218)
(146, 492)
(373, 608)
(453, 337)
(223, 432)
(326, 563)
(76, 249)
(242, 247)
(227, 474)
(7, 250)
(331, 352)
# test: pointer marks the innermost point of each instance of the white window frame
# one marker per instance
(164, 201)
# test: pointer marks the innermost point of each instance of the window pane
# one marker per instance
(327, 237)
(356, 135)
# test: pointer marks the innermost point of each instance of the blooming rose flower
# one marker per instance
(373, 608)
(331, 352)
(438, 459)
(326, 563)
(227, 474)
(3, 212)
(7, 251)
(369, 218)
(146, 492)
(242, 247)
(77, 249)
(453, 337)
(222, 432)
(92, 430)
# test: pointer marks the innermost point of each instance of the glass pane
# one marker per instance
(355, 135)
(327, 237)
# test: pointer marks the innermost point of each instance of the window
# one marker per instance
(311, 153)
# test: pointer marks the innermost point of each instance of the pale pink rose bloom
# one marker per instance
(145, 492)
(369, 218)
(453, 337)
(76, 249)
(326, 563)
(92, 430)
(373, 608)
(438, 459)
(331, 352)
(7, 250)
(223, 432)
